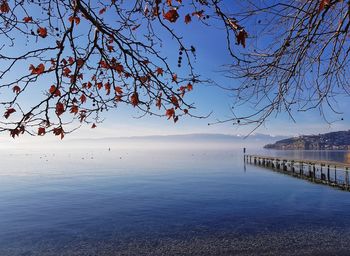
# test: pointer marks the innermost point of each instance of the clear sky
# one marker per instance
(212, 54)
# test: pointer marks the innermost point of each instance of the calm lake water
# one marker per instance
(165, 202)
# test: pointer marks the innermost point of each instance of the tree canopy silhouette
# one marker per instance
(85, 57)
(297, 59)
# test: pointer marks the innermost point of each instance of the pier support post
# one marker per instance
(328, 174)
(283, 165)
(309, 174)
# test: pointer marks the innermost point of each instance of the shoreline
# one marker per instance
(285, 243)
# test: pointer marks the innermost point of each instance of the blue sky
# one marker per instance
(212, 54)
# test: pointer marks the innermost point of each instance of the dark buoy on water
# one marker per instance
(109, 149)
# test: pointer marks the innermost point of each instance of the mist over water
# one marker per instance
(139, 198)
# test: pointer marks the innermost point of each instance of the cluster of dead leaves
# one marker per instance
(37, 70)
(17, 131)
(42, 32)
(4, 7)
(134, 99)
(324, 4)
(241, 33)
(58, 131)
(74, 19)
(8, 112)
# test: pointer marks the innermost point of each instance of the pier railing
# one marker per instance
(335, 174)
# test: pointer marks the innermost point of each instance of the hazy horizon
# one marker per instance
(175, 141)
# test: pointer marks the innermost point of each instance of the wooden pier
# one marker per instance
(329, 173)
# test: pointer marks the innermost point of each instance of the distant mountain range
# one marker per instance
(195, 138)
(256, 140)
(198, 137)
(328, 141)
